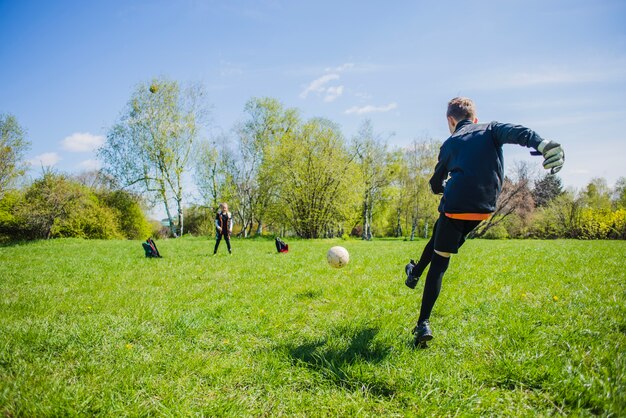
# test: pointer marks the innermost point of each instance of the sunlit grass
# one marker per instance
(521, 328)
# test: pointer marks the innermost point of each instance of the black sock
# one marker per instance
(427, 255)
(432, 287)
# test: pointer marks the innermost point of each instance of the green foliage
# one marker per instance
(86, 219)
(199, 220)
(9, 223)
(13, 146)
(522, 328)
(57, 206)
(319, 188)
(497, 232)
(129, 216)
(149, 148)
(619, 193)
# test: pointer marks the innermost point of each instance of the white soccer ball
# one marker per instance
(338, 257)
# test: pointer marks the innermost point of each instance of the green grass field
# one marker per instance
(522, 328)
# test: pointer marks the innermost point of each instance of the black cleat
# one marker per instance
(411, 281)
(422, 334)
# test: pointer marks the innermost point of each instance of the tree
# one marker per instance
(416, 200)
(547, 189)
(210, 172)
(49, 202)
(268, 124)
(13, 146)
(619, 193)
(317, 179)
(597, 194)
(376, 168)
(149, 148)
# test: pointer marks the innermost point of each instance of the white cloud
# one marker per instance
(82, 142)
(47, 159)
(332, 93)
(371, 109)
(318, 85)
(89, 165)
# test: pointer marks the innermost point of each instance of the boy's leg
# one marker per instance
(432, 287)
(449, 237)
(227, 239)
(218, 238)
(414, 271)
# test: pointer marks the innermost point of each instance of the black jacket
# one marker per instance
(472, 158)
(223, 221)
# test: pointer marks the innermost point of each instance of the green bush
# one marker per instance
(9, 223)
(129, 216)
(199, 221)
(496, 232)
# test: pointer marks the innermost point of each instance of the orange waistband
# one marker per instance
(469, 216)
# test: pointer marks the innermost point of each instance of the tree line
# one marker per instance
(280, 174)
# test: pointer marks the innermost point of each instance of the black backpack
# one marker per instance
(281, 247)
(151, 249)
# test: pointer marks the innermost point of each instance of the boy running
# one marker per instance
(469, 174)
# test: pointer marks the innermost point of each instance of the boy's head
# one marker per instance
(460, 108)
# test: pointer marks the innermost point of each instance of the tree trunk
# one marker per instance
(398, 224)
(413, 227)
(366, 234)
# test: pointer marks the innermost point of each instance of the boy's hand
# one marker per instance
(553, 154)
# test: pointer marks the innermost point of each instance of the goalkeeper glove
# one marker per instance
(553, 155)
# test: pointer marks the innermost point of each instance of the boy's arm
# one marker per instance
(553, 154)
(506, 133)
(440, 174)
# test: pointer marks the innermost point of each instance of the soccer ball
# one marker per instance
(338, 257)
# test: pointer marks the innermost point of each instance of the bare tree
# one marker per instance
(516, 197)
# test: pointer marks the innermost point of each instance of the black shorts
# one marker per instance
(449, 234)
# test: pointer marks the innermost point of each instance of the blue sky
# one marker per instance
(559, 67)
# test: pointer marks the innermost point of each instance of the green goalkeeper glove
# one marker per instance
(553, 155)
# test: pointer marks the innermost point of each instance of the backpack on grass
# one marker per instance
(151, 249)
(281, 247)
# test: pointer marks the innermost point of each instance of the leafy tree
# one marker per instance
(416, 200)
(49, 199)
(597, 194)
(10, 226)
(547, 189)
(267, 125)
(129, 216)
(317, 179)
(13, 146)
(377, 170)
(619, 193)
(199, 220)
(210, 173)
(149, 148)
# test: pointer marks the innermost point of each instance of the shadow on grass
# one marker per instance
(343, 365)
